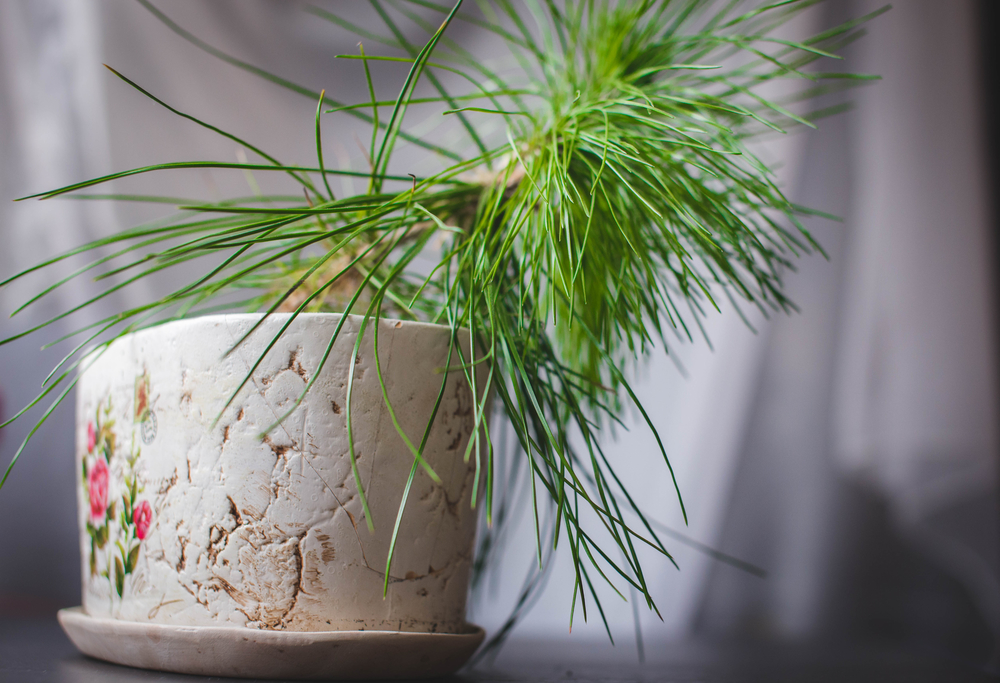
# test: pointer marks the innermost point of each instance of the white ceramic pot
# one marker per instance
(188, 524)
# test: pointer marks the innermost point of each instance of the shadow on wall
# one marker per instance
(883, 589)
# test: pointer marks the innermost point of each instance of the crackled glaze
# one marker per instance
(216, 526)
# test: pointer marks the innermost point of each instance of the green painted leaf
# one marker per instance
(132, 558)
(119, 576)
(101, 536)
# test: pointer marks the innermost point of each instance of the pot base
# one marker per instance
(250, 653)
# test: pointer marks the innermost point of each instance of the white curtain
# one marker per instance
(868, 475)
(52, 132)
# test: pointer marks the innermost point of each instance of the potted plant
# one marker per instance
(289, 491)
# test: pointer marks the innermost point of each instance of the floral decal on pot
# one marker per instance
(97, 490)
(142, 516)
(144, 415)
(119, 519)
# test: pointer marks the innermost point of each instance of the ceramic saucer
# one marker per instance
(250, 653)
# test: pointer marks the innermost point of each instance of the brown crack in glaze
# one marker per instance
(295, 365)
(278, 449)
(329, 554)
(166, 485)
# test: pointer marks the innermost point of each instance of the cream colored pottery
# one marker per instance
(188, 523)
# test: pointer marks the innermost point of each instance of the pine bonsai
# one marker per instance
(594, 197)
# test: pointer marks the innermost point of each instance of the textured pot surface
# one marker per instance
(186, 523)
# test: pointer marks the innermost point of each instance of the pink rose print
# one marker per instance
(91, 437)
(97, 481)
(142, 516)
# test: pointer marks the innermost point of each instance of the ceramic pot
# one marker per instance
(188, 521)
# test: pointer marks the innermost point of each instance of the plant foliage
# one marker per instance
(599, 199)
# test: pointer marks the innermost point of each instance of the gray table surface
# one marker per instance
(36, 651)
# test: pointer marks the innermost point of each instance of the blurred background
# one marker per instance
(850, 451)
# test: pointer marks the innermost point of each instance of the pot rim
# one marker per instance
(236, 317)
(88, 356)
(222, 317)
